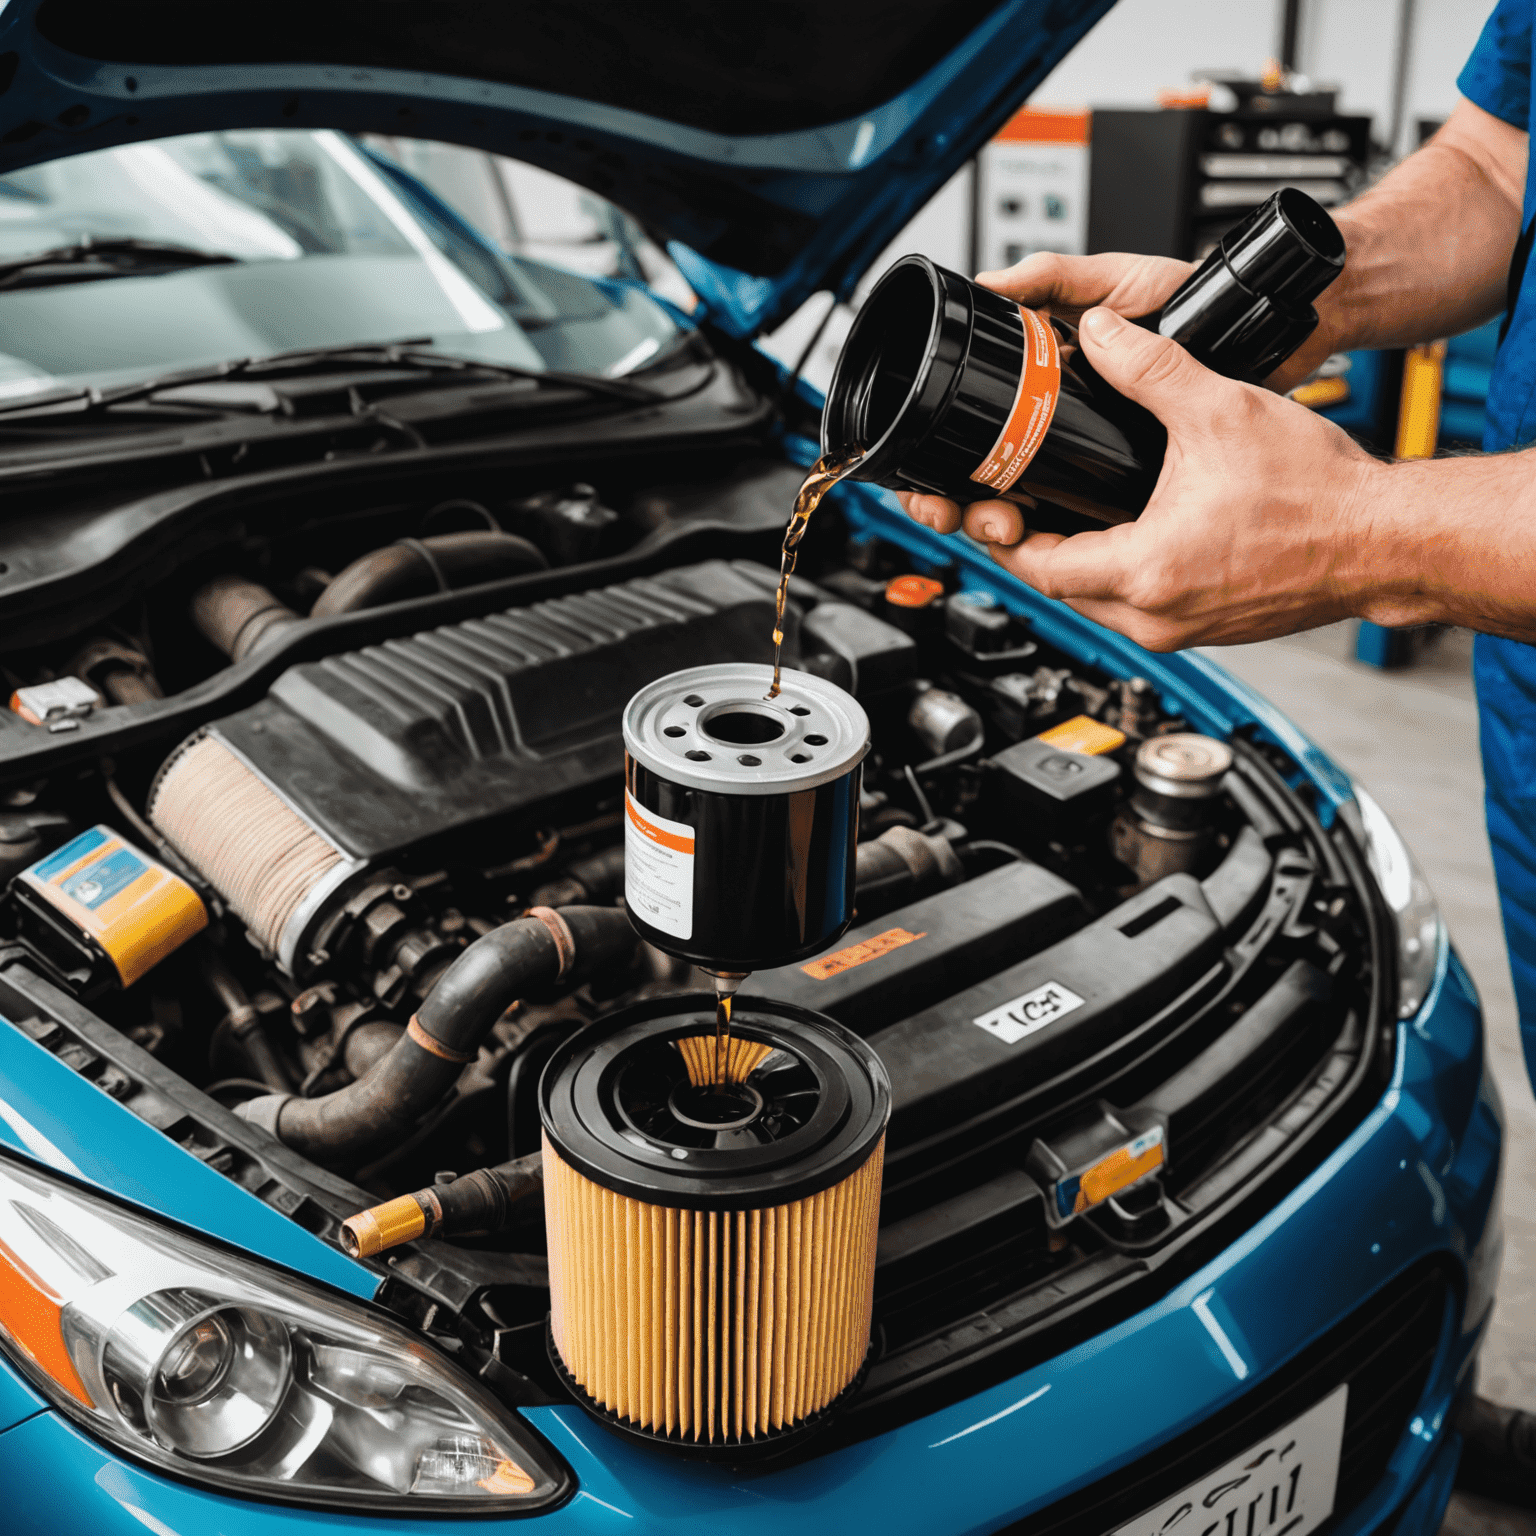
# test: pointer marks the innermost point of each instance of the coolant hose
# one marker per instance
(902, 860)
(481, 1201)
(239, 615)
(445, 1033)
(414, 567)
(245, 1026)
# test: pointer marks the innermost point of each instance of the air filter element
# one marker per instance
(273, 868)
(711, 1212)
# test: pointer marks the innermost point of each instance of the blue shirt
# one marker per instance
(1498, 78)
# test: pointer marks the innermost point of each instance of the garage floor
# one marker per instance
(1411, 739)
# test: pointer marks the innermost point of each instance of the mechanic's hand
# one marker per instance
(1065, 286)
(1257, 527)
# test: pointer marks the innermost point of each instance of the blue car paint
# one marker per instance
(1427, 1153)
(851, 185)
(55, 1117)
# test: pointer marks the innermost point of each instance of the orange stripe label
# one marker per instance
(1033, 407)
(649, 830)
(860, 954)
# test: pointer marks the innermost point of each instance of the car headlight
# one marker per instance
(1420, 931)
(221, 1370)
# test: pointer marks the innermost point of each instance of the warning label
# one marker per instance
(658, 869)
(857, 954)
(1033, 407)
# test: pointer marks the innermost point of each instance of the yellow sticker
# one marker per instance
(859, 954)
(1085, 735)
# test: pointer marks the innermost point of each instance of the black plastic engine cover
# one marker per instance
(888, 968)
(972, 1051)
(423, 739)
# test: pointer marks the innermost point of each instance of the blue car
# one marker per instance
(337, 531)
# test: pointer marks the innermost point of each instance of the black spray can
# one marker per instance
(741, 815)
(950, 388)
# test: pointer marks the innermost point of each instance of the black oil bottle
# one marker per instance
(945, 386)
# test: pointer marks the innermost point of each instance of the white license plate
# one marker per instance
(1283, 1486)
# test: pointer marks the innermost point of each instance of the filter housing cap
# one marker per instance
(619, 1105)
(712, 728)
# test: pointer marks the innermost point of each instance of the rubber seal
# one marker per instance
(560, 932)
(415, 1032)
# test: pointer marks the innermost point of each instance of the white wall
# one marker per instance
(1142, 46)
(1352, 42)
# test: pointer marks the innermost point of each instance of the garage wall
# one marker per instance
(1142, 46)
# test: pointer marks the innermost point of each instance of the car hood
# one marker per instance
(776, 149)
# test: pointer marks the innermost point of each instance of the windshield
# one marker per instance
(334, 241)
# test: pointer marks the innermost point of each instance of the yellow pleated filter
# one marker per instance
(717, 1059)
(711, 1327)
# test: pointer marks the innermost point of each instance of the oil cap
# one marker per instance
(1183, 766)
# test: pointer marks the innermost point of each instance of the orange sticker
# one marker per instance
(661, 836)
(1122, 1168)
(1033, 407)
(858, 954)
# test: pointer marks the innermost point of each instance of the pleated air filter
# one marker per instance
(712, 1210)
(272, 867)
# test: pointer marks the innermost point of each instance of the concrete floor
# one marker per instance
(1411, 739)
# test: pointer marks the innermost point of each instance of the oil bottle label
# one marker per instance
(1033, 407)
(658, 869)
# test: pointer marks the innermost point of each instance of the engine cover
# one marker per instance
(421, 740)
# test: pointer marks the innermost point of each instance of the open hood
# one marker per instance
(777, 149)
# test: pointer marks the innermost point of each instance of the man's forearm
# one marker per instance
(1449, 541)
(1428, 246)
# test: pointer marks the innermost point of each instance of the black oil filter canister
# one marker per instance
(741, 815)
(947, 387)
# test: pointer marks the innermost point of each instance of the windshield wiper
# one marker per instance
(90, 260)
(320, 360)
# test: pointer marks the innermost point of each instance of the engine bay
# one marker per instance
(359, 775)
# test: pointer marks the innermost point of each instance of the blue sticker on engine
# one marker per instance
(102, 880)
(71, 853)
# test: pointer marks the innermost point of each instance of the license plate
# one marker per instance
(1283, 1486)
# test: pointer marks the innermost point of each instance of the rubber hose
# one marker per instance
(902, 858)
(239, 615)
(402, 570)
(367, 1045)
(245, 1026)
(482, 1201)
(445, 1034)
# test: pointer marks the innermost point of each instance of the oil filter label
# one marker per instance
(658, 869)
(1033, 407)
(1024, 1015)
(859, 954)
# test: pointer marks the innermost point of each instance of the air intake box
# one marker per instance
(421, 740)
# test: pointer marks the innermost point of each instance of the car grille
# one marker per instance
(1384, 1349)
